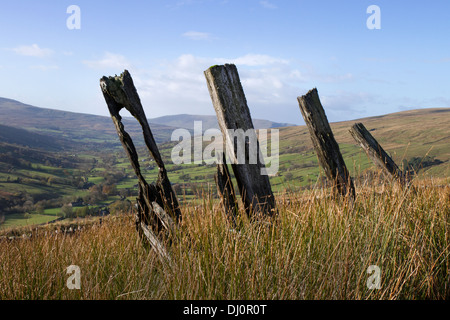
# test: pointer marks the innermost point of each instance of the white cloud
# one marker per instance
(195, 35)
(109, 61)
(442, 60)
(317, 75)
(258, 60)
(184, 3)
(179, 86)
(45, 67)
(33, 51)
(271, 85)
(268, 5)
(336, 77)
(344, 105)
(409, 103)
(440, 102)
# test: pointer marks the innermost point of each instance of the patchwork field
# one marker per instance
(35, 183)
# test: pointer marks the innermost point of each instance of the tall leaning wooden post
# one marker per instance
(326, 147)
(234, 119)
(158, 209)
(376, 153)
(225, 189)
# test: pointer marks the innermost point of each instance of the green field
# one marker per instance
(20, 220)
(318, 247)
(29, 177)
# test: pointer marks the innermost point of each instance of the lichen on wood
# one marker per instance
(325, 145)
(376, 153)
(225, 189)
(158, 208)
(232, 112)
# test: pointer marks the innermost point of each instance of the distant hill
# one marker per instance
(186, 121)
(78, 127)
(23, 137)
(50, 156)
(93, 129)
(404, 135)
(414, 133)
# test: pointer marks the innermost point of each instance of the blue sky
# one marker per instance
(281, 48)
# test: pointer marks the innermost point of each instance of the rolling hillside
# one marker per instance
(410, 137)
(86, 128)
(79, 156)
(404, 135)
(24, 137)
(186, 121)
(78, 127)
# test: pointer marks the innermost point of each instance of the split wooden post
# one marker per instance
(234, 119)
(326, 147)
(376, 153)
(226, 190)
(158, 208)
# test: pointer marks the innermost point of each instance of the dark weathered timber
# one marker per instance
(232, 112)
(376, 153)
(157, 204)
(226, 190)
(119, 93)
(326, 147)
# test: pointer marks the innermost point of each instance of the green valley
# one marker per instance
(77, 167)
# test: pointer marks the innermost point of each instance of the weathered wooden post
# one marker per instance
(326, 147)
(376, 153)
(234, 119)
(226, 190)
(158, 208)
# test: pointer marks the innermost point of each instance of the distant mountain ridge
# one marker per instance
(86, 128)
(186, 121)
(76, 127)
(30, 139)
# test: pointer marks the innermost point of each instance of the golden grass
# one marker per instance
(318, 247)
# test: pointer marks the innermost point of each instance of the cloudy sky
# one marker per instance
(282, 48)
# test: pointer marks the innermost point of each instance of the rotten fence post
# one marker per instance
(376, 153)
(158, 208)
(226, 190)
(235, 122)
(326, 147)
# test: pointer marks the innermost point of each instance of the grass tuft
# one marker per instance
(319, 247)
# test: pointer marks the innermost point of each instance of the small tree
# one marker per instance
(288, 176)
(67, 211)
(109, 189)
(124, 193)
(39, 207)
(82, 212)
(185, 177)
(120, 207)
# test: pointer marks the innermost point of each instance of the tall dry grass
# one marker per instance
(318, 247)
